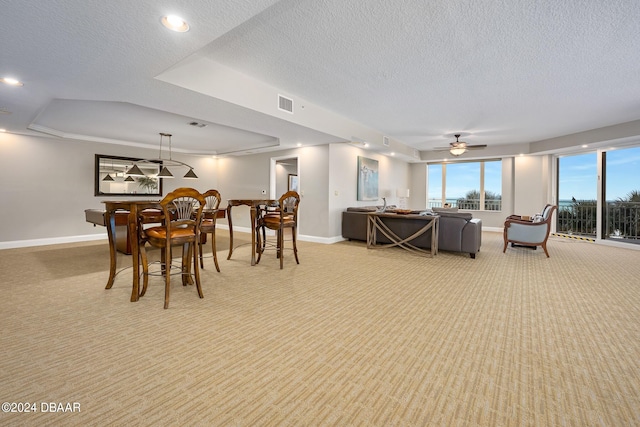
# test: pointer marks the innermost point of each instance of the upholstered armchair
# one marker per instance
(526, 231)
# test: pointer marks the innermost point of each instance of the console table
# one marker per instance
(378, 222)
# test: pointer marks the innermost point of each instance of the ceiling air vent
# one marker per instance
(385, 141)
(285, 104)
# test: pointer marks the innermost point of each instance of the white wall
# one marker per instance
(247, 176)
(47, 183)
(343, 181)
(529, 195)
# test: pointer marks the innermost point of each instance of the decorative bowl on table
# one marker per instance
(403, 211)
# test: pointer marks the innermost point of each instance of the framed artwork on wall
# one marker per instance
(367, 179)
(293, 182)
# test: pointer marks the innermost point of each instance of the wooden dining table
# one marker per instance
(253, 209)
(134, 208)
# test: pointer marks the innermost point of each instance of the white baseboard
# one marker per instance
(52, 241)
(103, 236)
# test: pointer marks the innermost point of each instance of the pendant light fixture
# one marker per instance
(164, 171)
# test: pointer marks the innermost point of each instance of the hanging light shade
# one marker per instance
(165, 173)
(190, 175)
(458, 150)
(135, 171)
(108, 178)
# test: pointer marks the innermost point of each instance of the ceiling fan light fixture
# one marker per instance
(458, 150)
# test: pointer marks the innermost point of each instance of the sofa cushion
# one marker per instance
(439, 210)
(462, 215)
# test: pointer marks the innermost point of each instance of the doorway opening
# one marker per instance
(284, 176)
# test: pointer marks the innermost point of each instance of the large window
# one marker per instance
(578, 195)
(466, 185)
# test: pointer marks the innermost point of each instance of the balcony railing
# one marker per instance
(471, 204)
(621, 221)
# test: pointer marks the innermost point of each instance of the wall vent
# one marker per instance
(285, 104)
(385, 141)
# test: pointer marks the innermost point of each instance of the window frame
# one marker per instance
(482, 177)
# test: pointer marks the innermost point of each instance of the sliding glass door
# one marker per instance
(621, 209)
(578, 196)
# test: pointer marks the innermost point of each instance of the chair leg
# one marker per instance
(188, 250)
(295, 246)
(196, 271)
(259, 245)
(213, 249)
(544, 246)
(281, 246)
(167, 276)
(145, 269)
(200, 252)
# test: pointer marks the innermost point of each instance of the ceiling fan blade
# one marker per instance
(476, 147)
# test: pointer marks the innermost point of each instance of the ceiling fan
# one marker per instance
(458, 147)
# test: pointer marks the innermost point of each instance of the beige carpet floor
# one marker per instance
(349, 337)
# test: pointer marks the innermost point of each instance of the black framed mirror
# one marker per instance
(111, 178)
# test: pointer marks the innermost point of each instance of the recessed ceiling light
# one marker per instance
(11, 81)
(175, 23)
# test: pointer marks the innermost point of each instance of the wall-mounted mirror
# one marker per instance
(111, 177)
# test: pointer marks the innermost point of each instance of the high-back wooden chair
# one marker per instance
(208, 226)
(286, 216)
(182, 215)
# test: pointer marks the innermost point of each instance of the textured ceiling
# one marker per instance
(502, 72)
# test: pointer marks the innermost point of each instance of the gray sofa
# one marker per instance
(458, 231)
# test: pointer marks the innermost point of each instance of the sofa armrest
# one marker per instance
(472, 237)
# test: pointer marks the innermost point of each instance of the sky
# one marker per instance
(464, 177)
(579, 175)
